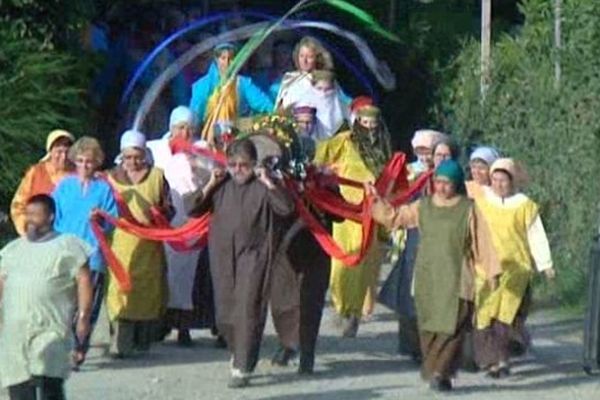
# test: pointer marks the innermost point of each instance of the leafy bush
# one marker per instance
(552, 128)
(42, 89)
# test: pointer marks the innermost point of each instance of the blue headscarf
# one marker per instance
(485, 153)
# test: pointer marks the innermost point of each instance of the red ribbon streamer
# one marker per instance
(195, 230)
(327, 242)
(393, 178)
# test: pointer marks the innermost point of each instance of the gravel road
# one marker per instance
(366, 367)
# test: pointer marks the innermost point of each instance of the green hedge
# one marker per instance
(42, 89)
(554, 130)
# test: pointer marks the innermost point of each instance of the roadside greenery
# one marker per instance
(551, 126)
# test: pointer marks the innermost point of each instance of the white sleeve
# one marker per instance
(178, 173)
(539, 246)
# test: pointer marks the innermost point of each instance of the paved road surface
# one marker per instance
(347, 369)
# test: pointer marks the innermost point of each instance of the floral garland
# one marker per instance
(283, 128)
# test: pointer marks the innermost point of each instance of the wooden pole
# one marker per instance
(486, 42)
(557, 41)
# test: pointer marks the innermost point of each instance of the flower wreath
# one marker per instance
(283, 128)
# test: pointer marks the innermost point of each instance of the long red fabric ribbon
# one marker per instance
(393, 178)
(191, 236)
(194, 230)
(324, 238)
(114, 265)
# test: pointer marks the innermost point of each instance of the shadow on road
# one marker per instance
(544, 385)
(554, 361)
(162, 354)
(347, 394)
(333, 370)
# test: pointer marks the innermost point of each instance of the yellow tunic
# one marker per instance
(222, 106)
(144, 260)
(509, 226)
(474, 189)
(349, 285)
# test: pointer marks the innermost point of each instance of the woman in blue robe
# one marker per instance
(77, 198)
(250, 98)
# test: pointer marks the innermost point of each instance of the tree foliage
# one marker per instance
(552, 127)
(50, 23)
(43, 88)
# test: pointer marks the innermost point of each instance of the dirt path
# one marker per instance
(363, 368)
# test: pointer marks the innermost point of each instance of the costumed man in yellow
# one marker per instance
(135, 314)
(216, 107)
(360, 155)
(42, 177)
(522, 247)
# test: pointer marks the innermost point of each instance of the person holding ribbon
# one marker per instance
(77, 198)
(212, 104)
(359, 154)
(522, 246)
(246, 205)
(190, 304)
(301, 277)
(453, 238)
(181, 128)
(134, 315)
(396, 290)
(42, 177)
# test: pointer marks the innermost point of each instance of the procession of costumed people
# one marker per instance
(221, 218)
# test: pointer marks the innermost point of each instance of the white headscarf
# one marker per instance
(133, 138)
(426, 138)
(331, 112)
(181, 114)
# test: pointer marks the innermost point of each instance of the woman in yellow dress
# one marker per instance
(360, 155)
(135, 314)
(522, 247)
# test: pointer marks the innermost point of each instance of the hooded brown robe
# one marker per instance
(243, 237)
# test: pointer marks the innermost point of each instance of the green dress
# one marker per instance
(439, 265)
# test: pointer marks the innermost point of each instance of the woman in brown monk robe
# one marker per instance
(242, 241)
(452, 238)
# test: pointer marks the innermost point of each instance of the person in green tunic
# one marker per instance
(452, 239)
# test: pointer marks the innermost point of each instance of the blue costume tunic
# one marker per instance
(74, 207)
(250, 97)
